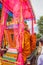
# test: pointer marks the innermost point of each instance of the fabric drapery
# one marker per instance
(3, 24)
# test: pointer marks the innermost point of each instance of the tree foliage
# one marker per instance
(9, 18)
(40, 25)
(38, 36)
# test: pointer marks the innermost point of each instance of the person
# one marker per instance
(27, 48)
(40, 58)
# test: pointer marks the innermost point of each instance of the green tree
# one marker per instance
(9, 18)
(38, 36)
(40, 25)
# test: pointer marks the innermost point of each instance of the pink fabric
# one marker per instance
(3, 24)
(27, 9)
(1, 33)
(26, 5)
(18, 33)
(20, 59)
(21, 36)
(18, 39)
(14, 7)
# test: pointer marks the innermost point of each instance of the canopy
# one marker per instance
(14, 6)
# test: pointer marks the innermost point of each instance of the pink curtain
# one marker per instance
(2, 24)
(20, 9)
(19, 32)
(26, 6)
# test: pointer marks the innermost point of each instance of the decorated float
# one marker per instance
(13, 37)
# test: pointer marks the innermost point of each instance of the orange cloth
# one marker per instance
(33, 42)
(8, 38)
(26, 45)
(27, 49)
